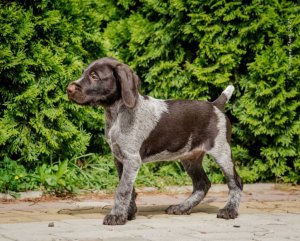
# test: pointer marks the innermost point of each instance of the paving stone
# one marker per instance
(266, 213)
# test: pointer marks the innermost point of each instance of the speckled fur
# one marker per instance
(139, 130)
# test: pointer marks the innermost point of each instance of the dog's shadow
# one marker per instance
(143, 210)
(147, 210)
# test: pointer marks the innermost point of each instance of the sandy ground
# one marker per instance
(267, 212)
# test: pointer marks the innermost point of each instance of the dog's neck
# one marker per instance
(118, 107)
(112, 111)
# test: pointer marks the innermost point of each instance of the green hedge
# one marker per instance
(179, 48)
(193, 49)
(44, 46)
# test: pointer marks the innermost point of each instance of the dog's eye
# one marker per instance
(94, 76)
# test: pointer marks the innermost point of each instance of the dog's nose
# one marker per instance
(71, 89)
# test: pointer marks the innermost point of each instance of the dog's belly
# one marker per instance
(184, 153)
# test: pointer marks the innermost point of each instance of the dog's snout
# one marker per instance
(71, 89)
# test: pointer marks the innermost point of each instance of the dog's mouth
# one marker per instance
(82, 99)
(79, 101)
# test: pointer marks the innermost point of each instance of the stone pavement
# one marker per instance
(267, 212)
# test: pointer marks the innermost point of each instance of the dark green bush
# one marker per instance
(193, 49)
(44, 46)
(179, 48)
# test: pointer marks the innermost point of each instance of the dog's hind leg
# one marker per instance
(201, 185)
(230, 211)
(221, 152)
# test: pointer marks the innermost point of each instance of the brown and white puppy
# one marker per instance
(141, 129)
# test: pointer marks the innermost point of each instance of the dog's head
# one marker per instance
(103, 83)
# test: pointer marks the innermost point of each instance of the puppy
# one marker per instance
(141, 129)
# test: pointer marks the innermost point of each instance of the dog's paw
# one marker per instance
(227, 213)
(178, 210)
(111, 219)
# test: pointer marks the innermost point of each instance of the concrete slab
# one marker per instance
(196, 226)
(268, 212)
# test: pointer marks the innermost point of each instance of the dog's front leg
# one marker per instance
(119, 212)
(132, 206)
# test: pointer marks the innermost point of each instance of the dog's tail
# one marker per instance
(224, 97)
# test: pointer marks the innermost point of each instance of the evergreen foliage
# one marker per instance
(44, 46)
(180, 49)
(193, 49)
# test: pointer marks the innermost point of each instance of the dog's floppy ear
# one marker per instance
(129, 82)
